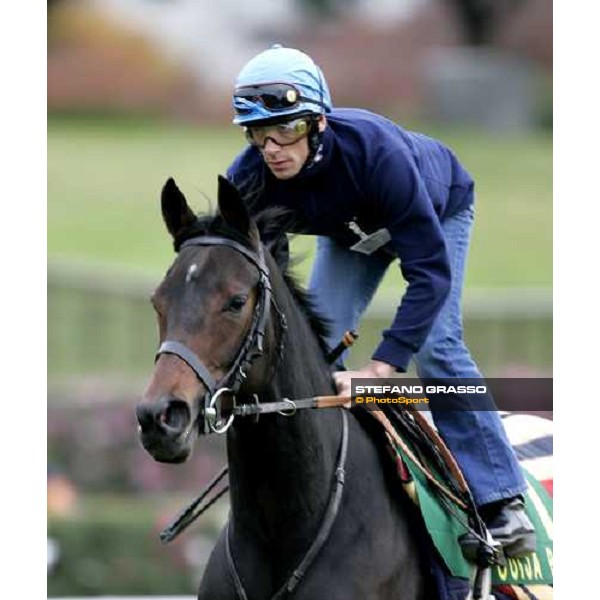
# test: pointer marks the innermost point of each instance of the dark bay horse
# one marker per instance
(282, 469)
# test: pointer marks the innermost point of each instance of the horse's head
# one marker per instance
(212, 308)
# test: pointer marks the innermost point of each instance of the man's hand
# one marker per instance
(373, 370)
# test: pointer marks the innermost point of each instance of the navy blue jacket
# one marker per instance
(376, 173)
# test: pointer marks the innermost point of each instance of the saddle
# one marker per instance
(435, 484)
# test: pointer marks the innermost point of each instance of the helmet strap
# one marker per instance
(315, 140)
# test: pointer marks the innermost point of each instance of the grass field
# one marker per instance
(105, 176)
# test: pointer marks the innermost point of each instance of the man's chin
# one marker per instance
(286, 173)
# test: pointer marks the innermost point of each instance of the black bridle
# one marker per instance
(251, 348)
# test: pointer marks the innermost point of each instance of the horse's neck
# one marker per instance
(281, 469)
(281, 473)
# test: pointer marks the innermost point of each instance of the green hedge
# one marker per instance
(120, 553)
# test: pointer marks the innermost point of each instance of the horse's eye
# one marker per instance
(236, 304)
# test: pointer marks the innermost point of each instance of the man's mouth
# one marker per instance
(278, 164)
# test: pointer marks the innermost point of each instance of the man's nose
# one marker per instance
(271, 146)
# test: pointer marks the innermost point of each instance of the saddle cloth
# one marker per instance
(531, 574)
(531, 438)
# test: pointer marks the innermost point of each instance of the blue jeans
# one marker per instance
(343, 283)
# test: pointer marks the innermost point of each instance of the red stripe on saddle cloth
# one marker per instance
(401, 468)
(549, 485)
(403, 471)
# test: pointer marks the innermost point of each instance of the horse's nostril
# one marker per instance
(170, 416)
(176, 415)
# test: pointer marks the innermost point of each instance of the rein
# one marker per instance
(285, 408)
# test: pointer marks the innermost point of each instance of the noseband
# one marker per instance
(251, 348)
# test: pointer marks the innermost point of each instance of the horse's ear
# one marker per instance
(176, 213)
(232, 207)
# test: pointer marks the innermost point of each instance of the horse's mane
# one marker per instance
(272, 225)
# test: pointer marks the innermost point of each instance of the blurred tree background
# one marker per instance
(138, 91)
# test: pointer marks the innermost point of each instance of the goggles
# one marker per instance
(283, 134)
(273, 96)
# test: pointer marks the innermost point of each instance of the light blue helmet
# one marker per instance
(279, 82)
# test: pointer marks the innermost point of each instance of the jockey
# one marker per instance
(373, 192)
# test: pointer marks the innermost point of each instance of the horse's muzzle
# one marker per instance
(165, 429)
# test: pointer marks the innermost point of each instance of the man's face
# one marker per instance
(283, 156)
(285, 162)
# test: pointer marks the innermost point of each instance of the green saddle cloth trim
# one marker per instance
(445, 528)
